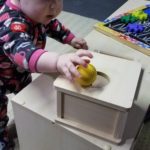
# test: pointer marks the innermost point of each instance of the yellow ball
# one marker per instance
(88, 75)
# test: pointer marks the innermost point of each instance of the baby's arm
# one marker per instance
(18, 44)
(57, 31)
(64, 64)
(22, 52)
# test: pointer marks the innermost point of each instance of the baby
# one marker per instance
(24, 25)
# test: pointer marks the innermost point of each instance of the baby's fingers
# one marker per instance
(74, 72)
(78, 46)
(76, 60)
(67, 73)
(83, 44)
(81, 53)
(72, 69)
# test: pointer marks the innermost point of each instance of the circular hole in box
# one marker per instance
(101, 81)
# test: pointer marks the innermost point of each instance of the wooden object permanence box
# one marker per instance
(101, 109)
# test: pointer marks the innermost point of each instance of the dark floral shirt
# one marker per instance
(22, 41)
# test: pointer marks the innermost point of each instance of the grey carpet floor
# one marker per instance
(97, 9)
(143, 140)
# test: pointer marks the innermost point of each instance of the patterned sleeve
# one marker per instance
(57, 31)
(2, 3)
(18, 45)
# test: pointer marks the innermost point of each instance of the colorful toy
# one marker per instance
(131, 28)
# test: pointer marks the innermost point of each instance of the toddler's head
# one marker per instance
(41, 11)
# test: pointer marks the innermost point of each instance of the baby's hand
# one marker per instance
(66, 63)
(79, 43)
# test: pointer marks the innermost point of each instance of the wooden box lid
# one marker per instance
(119, 92)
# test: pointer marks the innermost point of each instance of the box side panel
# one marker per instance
(36, 133)
(89, 114)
